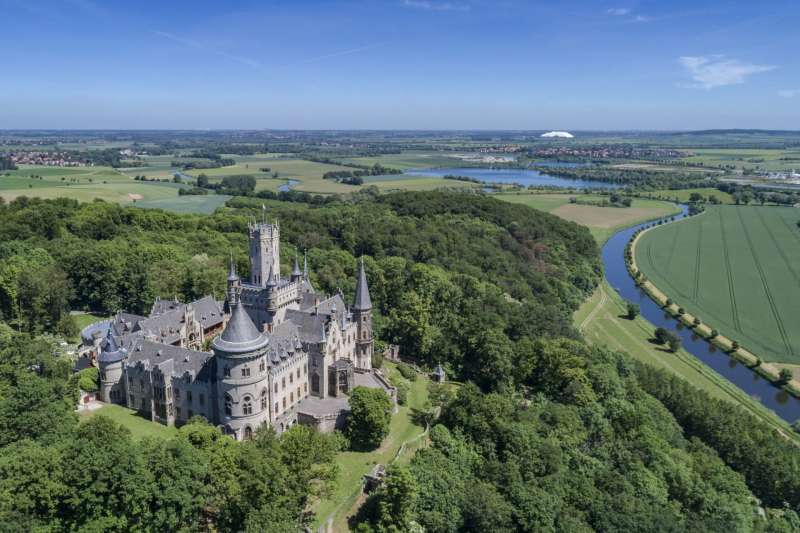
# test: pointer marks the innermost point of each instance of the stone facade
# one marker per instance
(285, 353)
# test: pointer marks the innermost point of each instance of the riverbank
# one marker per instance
(744, 356)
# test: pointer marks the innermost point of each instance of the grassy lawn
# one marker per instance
(738, 268)
(140, 427)
(762, 158)
(353, 465)
(601, 321)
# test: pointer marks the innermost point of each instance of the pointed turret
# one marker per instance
(362, 301)
(305, 265)
(271, 281)
(240, 334)
(296, 272)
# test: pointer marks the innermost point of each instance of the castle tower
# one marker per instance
(242, 373)
(362, 316)
(265, 252)
(110, 362)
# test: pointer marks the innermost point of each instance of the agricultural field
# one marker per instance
(410, 159)
(764, 159)
(601, 221)
(738, 269)
(684, 194)
(87, 183)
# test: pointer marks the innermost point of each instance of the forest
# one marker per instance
(546, 434)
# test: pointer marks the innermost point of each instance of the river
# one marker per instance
(525, 177)
(785, 405)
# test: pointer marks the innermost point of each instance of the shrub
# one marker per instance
(407, 371)
(669, 302)
(697, 321)
(633, 310)
(714, 334)
(674, 343)
(370, 414)
(734, 346)
(377, 359)
(681, 311)
(402, 393)
(784, 376)
(89, 379)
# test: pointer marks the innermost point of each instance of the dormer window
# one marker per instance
(226, 372)
(246, 372)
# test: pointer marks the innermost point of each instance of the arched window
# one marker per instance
(228, 404)
(247, 405)
(248, 433)
(291, 397)
(245, 372)
(276, 408)
(262, 365)
(276, 387)
(264, 399)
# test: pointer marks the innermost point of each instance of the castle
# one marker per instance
(281, 353)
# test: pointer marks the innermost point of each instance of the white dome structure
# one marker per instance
(558, 135)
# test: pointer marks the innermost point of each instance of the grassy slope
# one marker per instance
(353, 465)
(139, 426)
(737, 268)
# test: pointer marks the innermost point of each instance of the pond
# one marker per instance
(616, 272)
(524, 177)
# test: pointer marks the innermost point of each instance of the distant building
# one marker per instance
(285, 354)
(557, 135)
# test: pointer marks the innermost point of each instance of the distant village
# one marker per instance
(49, 159)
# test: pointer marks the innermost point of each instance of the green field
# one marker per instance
(87, 183)
(765, 159)
(684, 194)
(601, 221)
(736, 267)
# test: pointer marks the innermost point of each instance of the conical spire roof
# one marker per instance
(240, 334)
(296, 270)
(271, 277)
(232, 276)
(362, 301)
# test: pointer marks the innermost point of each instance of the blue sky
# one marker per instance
(410, 64)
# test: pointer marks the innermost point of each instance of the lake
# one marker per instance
(525, 177)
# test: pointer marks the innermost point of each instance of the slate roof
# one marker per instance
(362, 301)
(172, 360)
(311, 326)
(240, 334)
(166, 326)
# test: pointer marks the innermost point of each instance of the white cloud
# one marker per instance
(436, 6)
(619, 11)
(708, 72)
(789, 93)
(641, 18)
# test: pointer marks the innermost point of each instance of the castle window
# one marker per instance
(305, 388)
(298, 393)
(248, 433)
(177, 411)
(276, 386)
(315, 383)
(262, 365)
(283, 383)
(291, 397)
(298, 373)
(228, 404)
(226, 372)
(291, 378)
(177, 394)
(102, 376)
(263, 399)
(189, 396)
(284, 402)
(247, 407)
(202, 399)
(245, 372)
(276, 408)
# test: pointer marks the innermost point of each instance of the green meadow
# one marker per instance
(738, 269)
